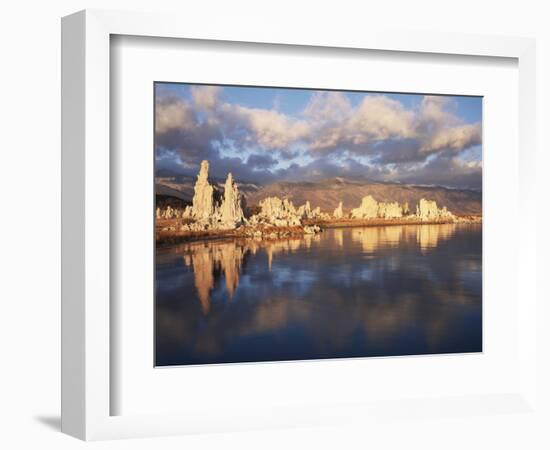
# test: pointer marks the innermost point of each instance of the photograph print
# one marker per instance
(305, 224)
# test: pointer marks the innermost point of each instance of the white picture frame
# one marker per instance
(86, 218)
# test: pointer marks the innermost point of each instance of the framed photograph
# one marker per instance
(298, 224)
(305, 217)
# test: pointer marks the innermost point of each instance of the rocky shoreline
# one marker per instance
(409, 220)
(167, 233)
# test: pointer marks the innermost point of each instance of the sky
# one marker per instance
(263, 135)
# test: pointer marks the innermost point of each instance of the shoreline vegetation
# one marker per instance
(221, 215)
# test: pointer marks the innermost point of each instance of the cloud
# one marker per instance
(455, 138)
(398, 151)
(248, 127)
(179, 129)
(185, 135)
(441, 130)
(261, 161)
(382, 127)
(434, 111)
(379, 117)
(172, 114)
(444, 170)
(329, 107)
(375, 119)
(378, 138)
(327, 167)
(242, 171)
(265, 128)
(205, 97)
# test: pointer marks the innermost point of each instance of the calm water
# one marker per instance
(349, 292)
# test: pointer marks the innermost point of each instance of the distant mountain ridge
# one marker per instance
(183, 187)
(329, 192)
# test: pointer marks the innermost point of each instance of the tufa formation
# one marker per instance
(213, 211)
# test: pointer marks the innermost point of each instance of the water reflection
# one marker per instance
(372, 238)
(428, 236)
(346, 292)
(339, 237)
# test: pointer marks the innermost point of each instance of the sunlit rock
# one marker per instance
(311, 229)
(203, 200)
(275, 211)
(187, 212)
(427, 210)
(338, 212)
(390, 210)
(304, 211)
(367, 210)
(230, 210)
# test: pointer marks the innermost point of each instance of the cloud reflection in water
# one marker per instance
(344, 293)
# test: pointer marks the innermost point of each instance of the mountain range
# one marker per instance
(328, 193)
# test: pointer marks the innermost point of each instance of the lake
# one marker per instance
(346, 292)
